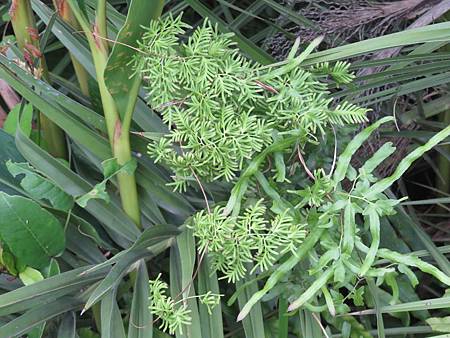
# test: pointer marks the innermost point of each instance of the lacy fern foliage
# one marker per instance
(221, 108)
(234, 242)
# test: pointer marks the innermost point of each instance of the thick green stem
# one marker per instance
(65, 12)
(27, 37)
(118, 133)
(127, 182)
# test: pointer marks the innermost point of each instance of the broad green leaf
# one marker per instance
(40, 187)
(8, 261)
(52, 269)
(119, 78)
(81, 243)
(9, 152)
(87, 333)
(118, 225)
(112, 324)
(39, 314)
(254, 322)
(182, 266)
(48, 290)
(67, 328)
(30, 276)
(32, 234)
(141, 319)
(14, 119)
(439, 324)
(37, 331)
(211, 324)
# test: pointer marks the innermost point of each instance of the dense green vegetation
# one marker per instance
(224, 169)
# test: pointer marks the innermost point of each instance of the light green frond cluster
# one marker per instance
(234, 242)
(210, 300)
(221, 108)
(347, 113)
(314, 194)
(172, 315)
(338, 71)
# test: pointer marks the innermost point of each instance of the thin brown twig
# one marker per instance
(198, 182)
(335, 152)
(200, 260)
(320, 324)
(302, 161)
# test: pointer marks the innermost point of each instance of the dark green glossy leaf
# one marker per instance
(140, 325)
(14, 119)
(40, 187)
(67, 327)
(37, 315)
(111, 215)
(47, 290)
(32, 234)
(112, 325)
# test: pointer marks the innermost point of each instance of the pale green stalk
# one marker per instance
(118, 131)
